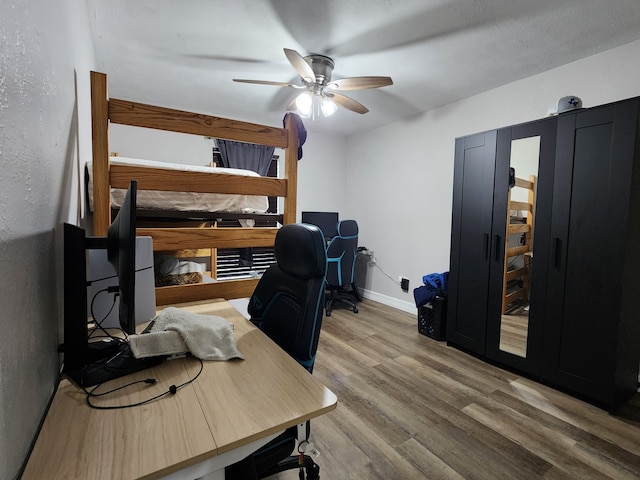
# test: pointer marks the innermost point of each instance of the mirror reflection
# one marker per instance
(518, 258)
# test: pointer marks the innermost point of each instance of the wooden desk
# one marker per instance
(232, 409)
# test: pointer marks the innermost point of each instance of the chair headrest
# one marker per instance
(347, 228)
(300, 250)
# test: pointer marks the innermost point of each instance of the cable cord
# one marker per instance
(115, 276)
(111, 289)
(375, 263)
(98, 323)
(173, 389)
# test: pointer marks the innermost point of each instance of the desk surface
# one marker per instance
(229, 406)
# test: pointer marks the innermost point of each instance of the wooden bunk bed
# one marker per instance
(175, 239)
(519, 243)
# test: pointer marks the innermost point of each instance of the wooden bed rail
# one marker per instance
(160, 118)
(200, 182)
(186, 238)
(202, 291)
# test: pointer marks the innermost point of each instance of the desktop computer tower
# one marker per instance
(101, 275)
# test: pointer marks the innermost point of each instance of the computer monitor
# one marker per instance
(326, 221)
(121, 253)
(89, 362)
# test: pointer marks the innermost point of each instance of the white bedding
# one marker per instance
(185, 201)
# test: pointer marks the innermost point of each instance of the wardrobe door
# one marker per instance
(583, 339)
(521, 224)
(468, 286)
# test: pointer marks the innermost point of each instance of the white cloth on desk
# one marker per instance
(175, 331)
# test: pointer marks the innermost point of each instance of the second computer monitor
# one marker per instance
(326, 221)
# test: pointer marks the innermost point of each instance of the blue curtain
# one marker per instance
(248, 156)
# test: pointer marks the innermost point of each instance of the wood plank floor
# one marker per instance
(514, 330)
(412, 408)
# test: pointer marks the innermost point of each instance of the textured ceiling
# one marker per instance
(184, 54)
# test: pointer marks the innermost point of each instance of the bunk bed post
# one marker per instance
(291, 171)
(99, 128)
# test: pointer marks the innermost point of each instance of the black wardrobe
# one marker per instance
(548, 282)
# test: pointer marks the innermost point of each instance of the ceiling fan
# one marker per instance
(320, 94)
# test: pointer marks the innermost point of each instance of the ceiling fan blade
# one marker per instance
(348, 103)
(360, 83)
(298, 62)
(291, 107)
(267, 82)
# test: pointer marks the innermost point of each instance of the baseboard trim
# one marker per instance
(408, 307)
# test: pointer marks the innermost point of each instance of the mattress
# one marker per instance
(185, 201)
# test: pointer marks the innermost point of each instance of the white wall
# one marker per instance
(322, 184)
(137, 142)
(401, 176)
(42, 45)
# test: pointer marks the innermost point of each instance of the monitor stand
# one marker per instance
(116, 362)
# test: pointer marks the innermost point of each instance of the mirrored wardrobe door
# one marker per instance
(522, 201)
(519, 244)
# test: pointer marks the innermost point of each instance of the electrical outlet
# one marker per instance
(404, 284)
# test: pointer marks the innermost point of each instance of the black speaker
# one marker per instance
(432, 318)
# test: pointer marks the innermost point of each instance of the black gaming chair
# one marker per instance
(341, 261)
(287, 305)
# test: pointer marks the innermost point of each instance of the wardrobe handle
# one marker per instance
(486, 246)
(496, 247)
(557, 250)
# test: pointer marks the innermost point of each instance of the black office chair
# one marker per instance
(341, 261)
(287, 305)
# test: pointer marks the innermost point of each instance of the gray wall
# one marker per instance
(42, 43)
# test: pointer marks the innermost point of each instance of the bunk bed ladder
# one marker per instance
(515, 285)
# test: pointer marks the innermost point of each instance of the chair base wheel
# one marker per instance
(313, 472)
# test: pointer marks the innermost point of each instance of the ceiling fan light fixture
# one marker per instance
(329, 107)
(320, 100)
(304, 104)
